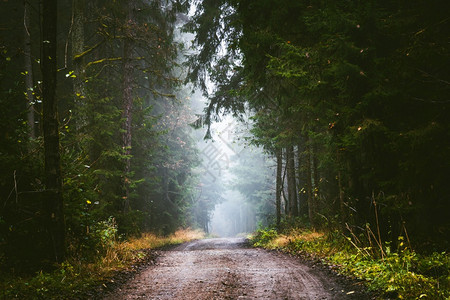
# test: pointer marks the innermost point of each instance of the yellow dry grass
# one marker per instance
(150, 240)
(281, 241)
(309, 236)
(122, 252)
(185, 235)
(146, 240)
(284, 240)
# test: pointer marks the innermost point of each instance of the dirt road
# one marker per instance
(227, 269)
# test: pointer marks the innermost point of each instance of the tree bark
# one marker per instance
(279, 185)
(343, 215)
(302, 198)
(283, 185)
(79, 92)
(28, 68)
(292, 186)
(310, 185)
(53, 205)
(127, 98)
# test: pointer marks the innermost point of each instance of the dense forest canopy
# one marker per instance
(349, 101)
(350, 97)
(125, 145)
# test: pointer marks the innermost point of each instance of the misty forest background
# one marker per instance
(341, 118)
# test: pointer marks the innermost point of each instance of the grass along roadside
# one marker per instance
(399, 274)
(74, 279)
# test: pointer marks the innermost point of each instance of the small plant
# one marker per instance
(76, 276)
(397, 273)
(263, 237)
(106, 232)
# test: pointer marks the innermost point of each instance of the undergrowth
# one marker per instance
(397, 273)
(76, 277)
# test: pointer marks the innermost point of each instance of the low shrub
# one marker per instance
(400, 274)
(76, 276)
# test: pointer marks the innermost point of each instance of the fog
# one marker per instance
(233, 217)
(236, 179)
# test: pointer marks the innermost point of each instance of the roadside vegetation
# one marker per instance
(78, 277)
(396, 271)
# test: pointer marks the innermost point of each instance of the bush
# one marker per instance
(75, 278)
(401, 274)
(262, 237)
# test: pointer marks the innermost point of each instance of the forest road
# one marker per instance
(226, 268)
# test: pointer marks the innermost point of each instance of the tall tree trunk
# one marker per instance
(302, 198)
(283, 185)
(297, 159)
(127, 98)
(28, 68)
(292, 188)
(316, 176)
(78, 7)
(341, 199)
(341, 190)
(54, 202)
(310, 185)
(279, 185)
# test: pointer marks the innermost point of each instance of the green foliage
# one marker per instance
(76, 279)
(106, 233)
(398, 274)
(262, 237)
(359, 88)
(91, 116)
(401, 274)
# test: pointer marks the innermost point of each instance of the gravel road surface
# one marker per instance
(227, 268)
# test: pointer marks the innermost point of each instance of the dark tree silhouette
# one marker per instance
(53, 201)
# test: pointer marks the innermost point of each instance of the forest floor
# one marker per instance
(229, 269)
